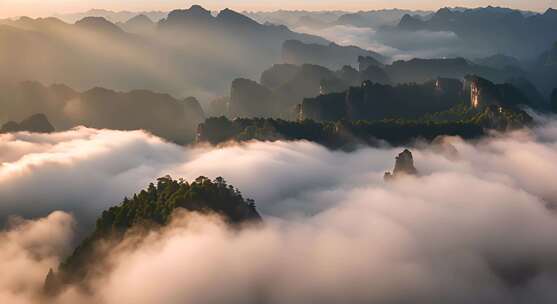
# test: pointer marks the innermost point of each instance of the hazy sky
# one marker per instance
(49, 7)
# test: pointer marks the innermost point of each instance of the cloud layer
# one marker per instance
(398, 44)
(477, 225)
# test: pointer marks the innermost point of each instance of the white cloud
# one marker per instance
(473, 228)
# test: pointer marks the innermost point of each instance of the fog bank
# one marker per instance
(476, 226)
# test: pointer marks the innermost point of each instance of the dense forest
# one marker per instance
(150, 208)
(460, 120)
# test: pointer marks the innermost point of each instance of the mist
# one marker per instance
(192, 54)
(476, 225)
(398, 44)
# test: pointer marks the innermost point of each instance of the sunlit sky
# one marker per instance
(10, 8)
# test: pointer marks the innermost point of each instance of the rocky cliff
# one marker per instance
(404, 165)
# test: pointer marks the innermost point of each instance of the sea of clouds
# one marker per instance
(476, 226)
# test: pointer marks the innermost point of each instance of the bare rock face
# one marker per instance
(404, 165)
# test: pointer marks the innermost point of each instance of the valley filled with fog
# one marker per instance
(198, 156)
(481, 210)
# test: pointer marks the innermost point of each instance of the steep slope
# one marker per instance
(404, 165)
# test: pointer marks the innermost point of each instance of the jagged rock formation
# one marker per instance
(284, 86)
(372, 101)
(482, 92)
(404, 165)
(289, 84)
(332, 56)
(37, 123)
(146, 211)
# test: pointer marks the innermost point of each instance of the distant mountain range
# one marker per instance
(332, 56)
(493, 29)
(191, 52)
(160, 114)
(321, 19)
(284, 86)
(112, 16)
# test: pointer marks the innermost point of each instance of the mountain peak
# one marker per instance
(98, 24)
(194, 15)
(230, 16)
(550, 12)
(140, 19)
(404, 165)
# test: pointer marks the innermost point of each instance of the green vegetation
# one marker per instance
(460, 120)
(152, 208)
(341, 134)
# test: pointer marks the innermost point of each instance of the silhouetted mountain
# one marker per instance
(112, 16)
(284, 86)
(290, 84)
(99, 24)
(379, 18)
(190, 52)
(139, 24)
(292, 19)
(160, 114)
(404, 165)
(372, 101)
(332, 56)
(37, 123)
(147, 211)
(493, 29)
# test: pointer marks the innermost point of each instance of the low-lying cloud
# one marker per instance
(477, 226)
(397, 44)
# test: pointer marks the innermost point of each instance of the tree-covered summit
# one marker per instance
(151, 208)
